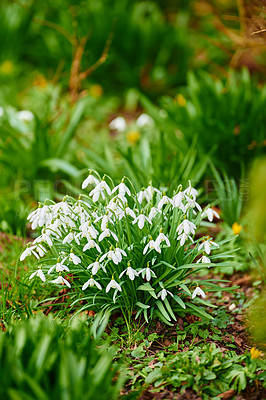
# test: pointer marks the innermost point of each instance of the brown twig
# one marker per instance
(74, 81)
(56, 27)
(101, 60)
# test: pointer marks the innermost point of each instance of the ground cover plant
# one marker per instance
(43, 358)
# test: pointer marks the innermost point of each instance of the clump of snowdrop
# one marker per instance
(127, 250)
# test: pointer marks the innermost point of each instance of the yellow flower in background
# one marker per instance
(40, 81)
(133, 137)
(236, 228)
(255, 353)
(96, 90)
(180, 99)
(7, 67)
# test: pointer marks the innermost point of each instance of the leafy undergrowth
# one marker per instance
(193, 359)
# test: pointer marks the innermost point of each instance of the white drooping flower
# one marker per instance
(210, 213)
(75, 259)
(148, 273)
(90, 180)
(28, 252)
(61, 281)
(207, 245)
(164, 200)
(186, 226)
(115, 255)
(91, 282)
(44, 237)
(118, 124)
(99, 191)
(25, 116)
(204, 259)
(144, 120)
(40, 216)
(162, 238)
(141, 196)
(131, 272)
(107, 233)
(88, 230)
(59, 267)
(95, 267)
(183, 238)
(113, 285)
(38, 273)
(198, 292)
(163, 293)
(192, 204)
(149, 192)
(191, 192)
(130, 212)
(70, 237)
(154, 211)
(141, 220)
(92, 244)
(152, 245)
(122, 190)
(62, 207)
(178, 201)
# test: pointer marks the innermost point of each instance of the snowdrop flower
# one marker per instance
(183, 237)
(154, 211)
(91, 282)
(152, 245)
(191, 192)
(92, 244)
(144, 120)
(115, 255)
(132, 273)
(148, 273)
(70, 237)
(88, 230)
(207, 245)
(61, 281)
(118, 124)
(192, 204)
(198, 291)
(178, 201)
(122, 190)
(25, 116)
(59, 267)
(141, 196)
(163, 293)
(186, 226)
(162, 238)
(95, 267)
(141, 220)
(164, 200)
(40, 217)
(113, 285)
(44, 237)
(41, 250)
(204, 259)
(210, 213)
(90, 180)
(107, 233)
(75, 259)
(130, 212)
(62, 207)
(28, 252)
(38, 273)
(99, 191)
(149, 192)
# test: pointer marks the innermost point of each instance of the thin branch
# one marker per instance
(101, 60)
(56, 27)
